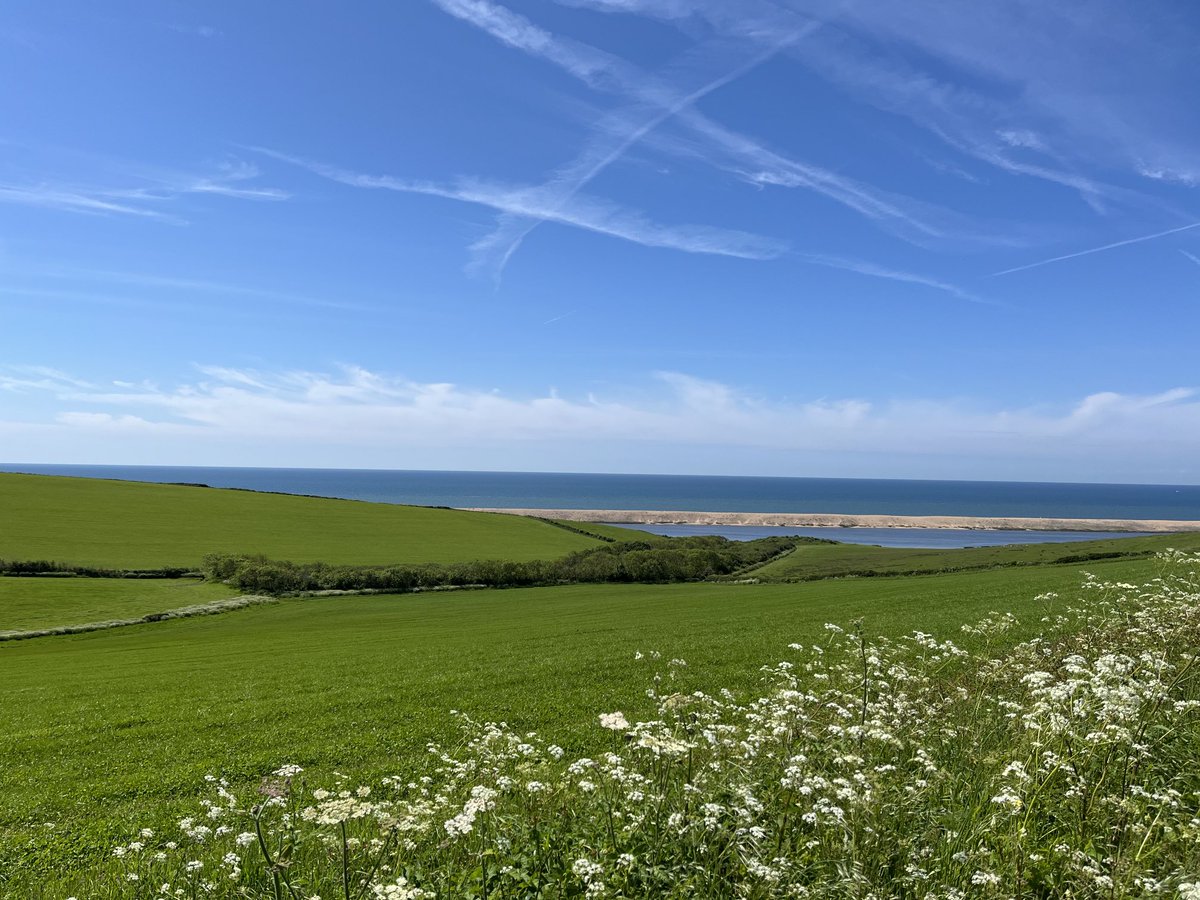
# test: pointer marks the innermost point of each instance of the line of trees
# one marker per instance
(684, 559)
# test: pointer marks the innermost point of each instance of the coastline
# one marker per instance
(833, 520)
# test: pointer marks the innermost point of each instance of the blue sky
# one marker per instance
(920, 239)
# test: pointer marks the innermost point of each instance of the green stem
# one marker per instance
(345, 863)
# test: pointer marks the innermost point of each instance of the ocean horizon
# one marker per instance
(707, 493)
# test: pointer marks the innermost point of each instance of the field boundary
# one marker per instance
(565, 527)
(216, 607)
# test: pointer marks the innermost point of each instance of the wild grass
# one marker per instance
(111, 731)
(122, 524)
(865, 766)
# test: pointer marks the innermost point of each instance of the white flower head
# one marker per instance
(614, 721)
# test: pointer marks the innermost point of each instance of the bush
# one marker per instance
(684, 559)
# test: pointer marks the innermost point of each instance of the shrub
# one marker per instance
(684, 559)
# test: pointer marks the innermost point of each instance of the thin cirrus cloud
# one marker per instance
(617, 134)
(586, 213)
(145, 290)
(219, 288)
(862, 267)
(144, 199)
(734, 153)
(74, 200)
(1102, 76)
(321, 412)
(1050, 96)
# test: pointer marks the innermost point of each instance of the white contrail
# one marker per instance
(862, 267)
(1136, 240)
(576, 175)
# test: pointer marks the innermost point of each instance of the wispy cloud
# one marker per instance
(1193, 257)
(1186, 177)
(358, 410)
(587, 213)
(867, 268)
(584, 62)
(69, 200)
(1024, 99)
(153, 291)
(735, 153)
(144, 198)
(203, 31)
(1091, 250)
(222, 288)
(23, 379)
(616, 136)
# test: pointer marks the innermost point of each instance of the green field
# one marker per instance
(615, 532)
(111, 731)
(108, 731)
(122, 524)
(36, 603)
(809, 561)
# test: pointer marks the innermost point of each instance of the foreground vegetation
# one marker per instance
(868, 767)
(121, 524)
(112, 730)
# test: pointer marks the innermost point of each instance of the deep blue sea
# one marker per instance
(705, 493)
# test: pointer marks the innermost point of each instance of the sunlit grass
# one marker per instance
(941, 766)
(116, 728)
(121, 524)
(33, 603)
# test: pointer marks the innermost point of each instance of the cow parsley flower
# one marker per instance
(614, 721)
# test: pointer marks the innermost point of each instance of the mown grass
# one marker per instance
(137, 525)
(35, 603)
(115, 730)
(810, 561)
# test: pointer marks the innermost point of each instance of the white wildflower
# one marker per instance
(614, 721)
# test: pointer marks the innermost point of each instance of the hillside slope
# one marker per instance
(124, 524)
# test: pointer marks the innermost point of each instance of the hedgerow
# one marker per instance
(685, 559)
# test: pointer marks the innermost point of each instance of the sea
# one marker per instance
(709, 493)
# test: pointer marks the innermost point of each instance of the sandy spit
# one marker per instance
(831, 520)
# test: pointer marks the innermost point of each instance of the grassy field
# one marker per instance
(615, 532)
(111, 731)
(809, 561)
(35, 603)
(136, 525)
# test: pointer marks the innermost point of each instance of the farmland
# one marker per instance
(138, 525)
(113, 731)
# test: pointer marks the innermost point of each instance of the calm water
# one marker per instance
(698, 492)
